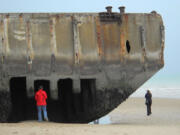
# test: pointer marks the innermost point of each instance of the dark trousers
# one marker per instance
(148, 109)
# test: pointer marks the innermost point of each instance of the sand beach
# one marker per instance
(127, 119)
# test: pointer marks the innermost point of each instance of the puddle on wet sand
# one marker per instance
(103, 120)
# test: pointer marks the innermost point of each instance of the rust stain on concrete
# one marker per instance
(98, 32)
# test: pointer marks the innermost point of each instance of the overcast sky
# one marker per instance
(169, 76)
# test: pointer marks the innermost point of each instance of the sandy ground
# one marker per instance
(128, 119)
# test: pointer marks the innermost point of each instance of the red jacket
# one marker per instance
(41, 97)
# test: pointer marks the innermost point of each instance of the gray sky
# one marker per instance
(169, 76)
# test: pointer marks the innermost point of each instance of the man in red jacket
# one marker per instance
(40, 98)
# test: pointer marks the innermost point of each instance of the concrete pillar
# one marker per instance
(5, 84)
(30, 87)
(76, 86)
(143, 37)
(77, 47)
(53, 89)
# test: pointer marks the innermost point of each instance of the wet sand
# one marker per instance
(133, 111)
(128, 119)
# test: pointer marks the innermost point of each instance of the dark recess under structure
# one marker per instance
(88, 90)
(68, 106)
(18, 99)
(65, 96)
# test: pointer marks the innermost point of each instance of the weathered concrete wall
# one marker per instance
(120, 51)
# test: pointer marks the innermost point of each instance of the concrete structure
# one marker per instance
(87, 62)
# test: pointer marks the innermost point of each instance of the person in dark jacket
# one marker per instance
(40, 98)
(148, 102)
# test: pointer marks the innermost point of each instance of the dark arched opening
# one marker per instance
(65, 96)
(18, 99)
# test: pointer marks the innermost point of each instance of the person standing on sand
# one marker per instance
(40, 98)
(148, 102)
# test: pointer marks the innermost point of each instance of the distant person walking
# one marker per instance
(148, 102)
(40, 98)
